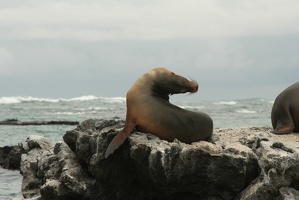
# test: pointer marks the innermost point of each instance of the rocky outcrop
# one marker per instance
(237, 163)
(10, 157)
(52, 172)
(15, 122)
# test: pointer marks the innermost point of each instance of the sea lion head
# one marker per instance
(166, 82)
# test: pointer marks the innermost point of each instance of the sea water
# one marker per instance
(229, 113)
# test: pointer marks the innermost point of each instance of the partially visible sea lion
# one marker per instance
(285, 111)
(149, 110)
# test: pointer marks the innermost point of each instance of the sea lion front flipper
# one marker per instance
(282, 120)
(120, 138)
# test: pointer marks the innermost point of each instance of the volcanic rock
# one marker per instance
(236, 163)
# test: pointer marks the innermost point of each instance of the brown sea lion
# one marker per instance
(285, 111)
(149, 110)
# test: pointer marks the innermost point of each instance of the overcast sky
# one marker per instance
(234, 49)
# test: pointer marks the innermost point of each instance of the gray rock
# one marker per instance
(279, 165)
(237, 163)
(35, 148)
(10, 157)
(287, 193)
(52, 173)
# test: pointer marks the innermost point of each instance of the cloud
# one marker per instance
(153, 20)
(234, 49)
(6, 60)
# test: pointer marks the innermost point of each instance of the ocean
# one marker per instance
(229, 113)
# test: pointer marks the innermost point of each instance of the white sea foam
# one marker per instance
(226, 103)
(9, 100)
(94, 109)
(14, 100)
(83, 98)
(246, 111)
(192, 107)
(268, 101)
(114, 99)
(69, 113)
(97, 108)
(20, 99)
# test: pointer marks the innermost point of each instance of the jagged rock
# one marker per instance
(287, 193)
(237, 163)
(10, 157)
(52, 173)
(35, 148)
(279, 165)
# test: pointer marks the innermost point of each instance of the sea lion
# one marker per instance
(149, 110)
(285, 111)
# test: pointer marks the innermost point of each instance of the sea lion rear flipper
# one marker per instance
(283, 128)
(119, 138)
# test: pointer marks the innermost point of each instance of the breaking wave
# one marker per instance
(246, 111)
(226, 103)
(20, 99)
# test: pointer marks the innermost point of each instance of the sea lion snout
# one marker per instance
(195, 86)
(166, 82)
(190, 86)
